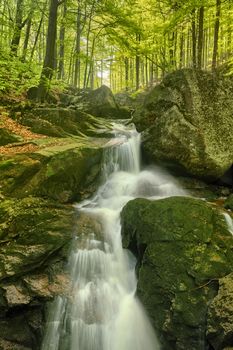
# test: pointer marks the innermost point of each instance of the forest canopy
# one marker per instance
(126, 44)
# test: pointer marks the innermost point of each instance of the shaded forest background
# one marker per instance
(126, 44)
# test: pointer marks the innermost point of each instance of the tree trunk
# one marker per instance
(200, 37)
(28, 30)
(146, 72)
(77, 48)
(87, 43)
(38, 32)
(49, 60)
(194, 39)
(182, 45)
(126, 73)
(137, 64)
(216, 33)
(26, 40)
(90, 76)
(171, 40)
(17, 28)
(61, 71)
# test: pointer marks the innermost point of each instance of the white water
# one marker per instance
(103, 312)
(229, 222)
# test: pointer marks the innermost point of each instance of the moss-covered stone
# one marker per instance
(31, 230)
(62, 171)
(187, 121)
(228, 204)
(63, 122)
(8, 137)
(184, 247)
(220, 315)
(101, 103)
(35, 237)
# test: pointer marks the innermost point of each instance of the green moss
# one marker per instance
(184, 246)
(32, 229)
(188, 118)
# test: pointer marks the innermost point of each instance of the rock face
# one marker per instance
(101, 103)
(220, 315)
(187, 122)
(35, 235)
(61, 171)
(183, 248)
(39, 177)
(63, 122)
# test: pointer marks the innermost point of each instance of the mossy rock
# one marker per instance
(63, 122)
(220, 316)
(228, 204)
(7, 137)
(35, 237)
(62, 171)
(31, 230)
(183, 247)
(101, 103)
(187, 122)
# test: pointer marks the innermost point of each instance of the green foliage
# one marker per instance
(113, 34)
(16, 76)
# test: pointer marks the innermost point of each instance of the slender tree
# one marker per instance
(216, 34)
(200, 37)
(19, 24)
(49, 60)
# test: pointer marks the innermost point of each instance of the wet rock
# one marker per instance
(187, 122)
(183, 247)
(34, 242)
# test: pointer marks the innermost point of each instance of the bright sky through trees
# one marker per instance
(128, 44)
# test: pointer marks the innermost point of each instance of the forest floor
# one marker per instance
(14, 127)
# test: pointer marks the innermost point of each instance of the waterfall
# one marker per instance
(229, 222)
(102, 311)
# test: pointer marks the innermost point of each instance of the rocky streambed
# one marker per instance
(50, 157)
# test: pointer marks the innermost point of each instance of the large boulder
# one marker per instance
(101, 103)
(183, 248)
(63, 122)
(35, 236)
(63, 170)
(187, 122)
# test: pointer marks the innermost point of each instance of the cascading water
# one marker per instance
(102, 311)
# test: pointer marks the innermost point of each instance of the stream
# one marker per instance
(102, 311)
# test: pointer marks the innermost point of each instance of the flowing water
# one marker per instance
(102, 311)
(229, 222)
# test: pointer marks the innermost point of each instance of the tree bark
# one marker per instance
(194, 39)
(182, 45)
(137, 64)
(200, 37)
(126, 73)
(87, 43)
(17, 28)
(216, 34)
(77, 48)
(49, 60)
(38, 32)
(26, 40)
(61, 65)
